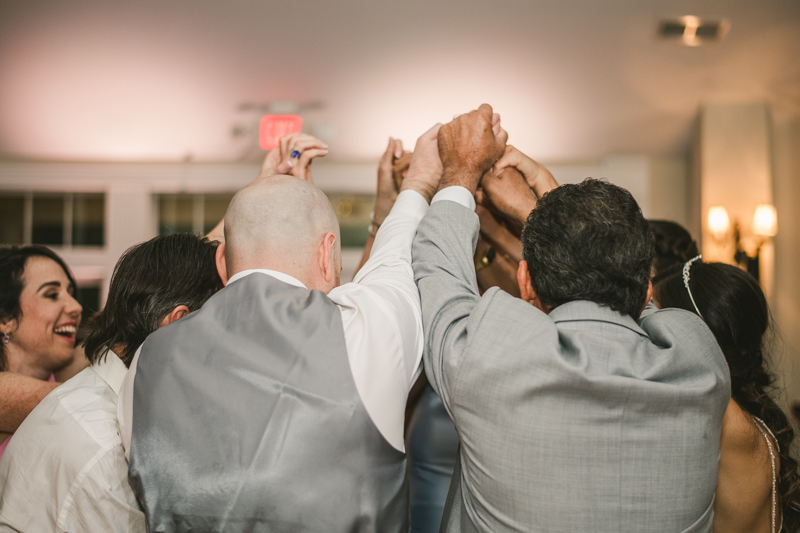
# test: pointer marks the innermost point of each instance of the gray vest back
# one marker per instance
(246, 418)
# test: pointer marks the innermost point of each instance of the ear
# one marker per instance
(179, 312)
(649, 295)
(8, 326)
(222, 265)
(526, 290)
(327, 260)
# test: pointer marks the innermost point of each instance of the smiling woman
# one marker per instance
(39, 317)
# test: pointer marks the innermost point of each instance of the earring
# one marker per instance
(6, 338)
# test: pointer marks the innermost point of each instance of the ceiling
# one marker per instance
(163, 80)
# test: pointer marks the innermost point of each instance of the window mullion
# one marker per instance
(69, 204)
(27, 219)
(198, 214)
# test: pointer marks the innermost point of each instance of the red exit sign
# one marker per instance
(273, 127)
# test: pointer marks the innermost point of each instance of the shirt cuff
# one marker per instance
(410, 200)
(457, 194)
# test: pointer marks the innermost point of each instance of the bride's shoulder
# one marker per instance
(743, 445)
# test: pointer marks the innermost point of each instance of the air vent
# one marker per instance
(692, 31)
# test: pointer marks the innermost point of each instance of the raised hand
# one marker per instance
(400, 167)
(294, 156)
(390, 177)
(425, 167)
(469, 146)
(538, 177)
(388, 185)
(509, 193)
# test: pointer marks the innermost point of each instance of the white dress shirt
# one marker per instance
(64, 469)
(382, 322)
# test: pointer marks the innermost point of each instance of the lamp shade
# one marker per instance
(718, 221)
(765, 220)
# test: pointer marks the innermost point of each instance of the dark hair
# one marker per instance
(12, 270)
(673, 244)
(589, 241)
(734, 307)
(149, 281)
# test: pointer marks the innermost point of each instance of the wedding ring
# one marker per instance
(296, 153)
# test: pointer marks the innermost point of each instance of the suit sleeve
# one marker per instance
(445, 275)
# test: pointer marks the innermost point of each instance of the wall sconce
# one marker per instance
(765, 226)
(765, 221)
(718, 222)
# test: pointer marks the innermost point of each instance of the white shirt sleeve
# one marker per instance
(382, 319)
(457, 194)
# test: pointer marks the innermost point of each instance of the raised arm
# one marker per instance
(539, 179)
(392, 242)
(388, 270)
(19, 397)
(514, 184)
(448, 288)
(391, 170)
(380, 309)
(445, 242)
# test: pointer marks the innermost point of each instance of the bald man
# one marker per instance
(279, 405)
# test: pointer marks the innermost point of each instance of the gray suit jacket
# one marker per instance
(580, 420)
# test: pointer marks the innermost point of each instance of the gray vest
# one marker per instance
(246, 418)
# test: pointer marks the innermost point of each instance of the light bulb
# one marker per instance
(718, 221)
(765, 220)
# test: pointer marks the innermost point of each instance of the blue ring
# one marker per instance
(296, 154)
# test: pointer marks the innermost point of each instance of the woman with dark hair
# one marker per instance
(39, 318)
(758, 487)
(74, 433)
(674, 245)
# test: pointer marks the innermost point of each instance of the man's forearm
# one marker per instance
(445, 275)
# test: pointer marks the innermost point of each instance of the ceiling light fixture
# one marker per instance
(692, 31)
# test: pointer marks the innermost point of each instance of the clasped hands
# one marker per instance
(471, 151)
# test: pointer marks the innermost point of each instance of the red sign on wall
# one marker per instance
(273, 127)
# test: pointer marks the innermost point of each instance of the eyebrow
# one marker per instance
(50, 283)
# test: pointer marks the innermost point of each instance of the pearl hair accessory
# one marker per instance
(686, 267)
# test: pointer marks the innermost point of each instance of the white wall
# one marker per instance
(786, 298)
(129, 189)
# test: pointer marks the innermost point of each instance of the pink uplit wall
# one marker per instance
(146, 80)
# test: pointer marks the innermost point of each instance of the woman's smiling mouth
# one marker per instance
(66, 331)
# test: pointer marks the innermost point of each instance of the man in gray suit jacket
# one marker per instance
(577, 409)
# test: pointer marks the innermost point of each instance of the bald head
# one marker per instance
(279, 224)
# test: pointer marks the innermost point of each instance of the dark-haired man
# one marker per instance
(575, 410)
(65, 469)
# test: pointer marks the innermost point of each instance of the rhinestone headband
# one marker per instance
(686, 267)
